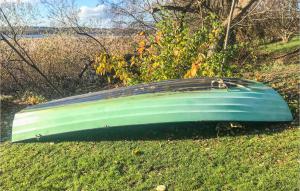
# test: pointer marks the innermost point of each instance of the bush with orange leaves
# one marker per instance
(172, 52)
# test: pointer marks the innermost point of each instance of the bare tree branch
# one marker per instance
(29, 63)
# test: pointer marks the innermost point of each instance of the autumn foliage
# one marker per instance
(172, 51)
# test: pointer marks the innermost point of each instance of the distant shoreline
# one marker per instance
(37, 36)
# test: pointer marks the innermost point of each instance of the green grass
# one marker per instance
(280, 47)
(251, 161)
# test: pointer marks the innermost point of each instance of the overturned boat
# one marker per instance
(172, 101)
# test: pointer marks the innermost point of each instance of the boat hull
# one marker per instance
(256, 103)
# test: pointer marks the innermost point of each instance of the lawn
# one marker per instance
(256, 159)
(281, 47)
(183, 158)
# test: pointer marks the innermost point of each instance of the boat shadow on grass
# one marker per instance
(178, 131)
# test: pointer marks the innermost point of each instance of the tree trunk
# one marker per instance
(240, 10)
(285, 37)
(227, 33)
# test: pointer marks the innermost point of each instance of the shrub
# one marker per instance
(173, 51)
(31, 98)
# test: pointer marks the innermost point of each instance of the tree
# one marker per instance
(283, 19)
(271, 20)
(195, 10)
(65, 13)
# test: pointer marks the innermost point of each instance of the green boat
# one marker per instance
(165, 102)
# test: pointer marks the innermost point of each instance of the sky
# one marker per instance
(88, 10)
